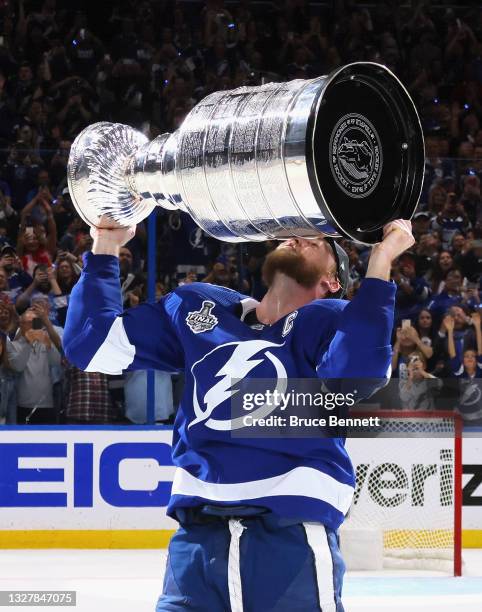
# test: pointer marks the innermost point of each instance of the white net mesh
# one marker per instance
(405, 489)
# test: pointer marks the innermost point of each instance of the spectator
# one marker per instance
(451, 295)
(88, 398)
(470, 366)
(468, 369)
(132, 284)
(412, 290)
(66, 275)
(471, 199)
(427, 250)
(135, 393)
(18, 279)
(20, 172)
(58, 164)
(35, 247)
(437, 198)
(457, 246)
(452, 219)
(222, 274)
(407, 341)
(35, 355)
(64, 213)
(5, 293)
(44, 287)
(421, 223)
(462, 331)
(8, 396)
(7, 213)
(42, 191)
(428, 334)
(419, 389)
(470, 261)
(443, 264)
(8, 318)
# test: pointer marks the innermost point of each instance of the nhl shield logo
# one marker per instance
(202, 320)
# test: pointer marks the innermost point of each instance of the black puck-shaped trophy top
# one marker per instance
(364, 151)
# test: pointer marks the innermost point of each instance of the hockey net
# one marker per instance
(409, 492)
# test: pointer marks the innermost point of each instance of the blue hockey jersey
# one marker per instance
(198, 329)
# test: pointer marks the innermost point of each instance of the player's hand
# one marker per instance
(397, 238)
(107, 241)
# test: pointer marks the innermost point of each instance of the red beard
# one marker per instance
(292, 264)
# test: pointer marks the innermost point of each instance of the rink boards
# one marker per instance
(99, 487)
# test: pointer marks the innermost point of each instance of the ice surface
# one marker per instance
(130, 580)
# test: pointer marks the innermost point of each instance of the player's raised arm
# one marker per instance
(361, 347)
(99, 336)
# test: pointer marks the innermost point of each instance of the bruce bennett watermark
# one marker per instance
(301, 410)
(292, 420)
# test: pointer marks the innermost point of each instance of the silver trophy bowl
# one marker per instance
(340, 155)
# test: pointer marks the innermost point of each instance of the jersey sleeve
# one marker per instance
(100, 337)
(360, 352)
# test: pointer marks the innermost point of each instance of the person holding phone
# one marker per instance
(43, 287)
(407, 341)
(35, 354)
(419, 389)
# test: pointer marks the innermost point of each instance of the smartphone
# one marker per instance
(36, 323)
(406, 323)
(2, 40)
(29, 231)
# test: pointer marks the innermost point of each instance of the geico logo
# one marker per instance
(389, 484)
(80, 482)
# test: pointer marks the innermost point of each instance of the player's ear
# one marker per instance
(326, 286)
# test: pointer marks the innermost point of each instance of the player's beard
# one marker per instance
(294, 265)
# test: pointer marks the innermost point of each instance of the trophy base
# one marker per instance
(96, 176)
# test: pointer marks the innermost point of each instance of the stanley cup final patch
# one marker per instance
(355, 155)
(202, 320)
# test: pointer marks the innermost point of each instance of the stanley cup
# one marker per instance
(340, 155)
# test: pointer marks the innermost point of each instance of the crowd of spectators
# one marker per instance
(147, 63)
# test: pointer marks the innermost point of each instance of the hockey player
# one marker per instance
(257, 517)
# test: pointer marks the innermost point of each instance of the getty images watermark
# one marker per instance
(298, 407)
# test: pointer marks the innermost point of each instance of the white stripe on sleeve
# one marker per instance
(115, 353)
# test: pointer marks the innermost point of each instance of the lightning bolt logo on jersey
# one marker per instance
(199, 329)
(238, 359)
